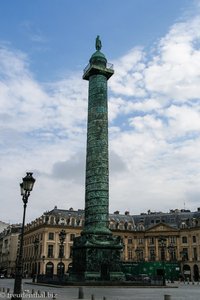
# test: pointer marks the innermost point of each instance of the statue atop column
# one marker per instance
(98, 44)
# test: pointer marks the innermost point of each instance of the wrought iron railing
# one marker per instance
(109, 66)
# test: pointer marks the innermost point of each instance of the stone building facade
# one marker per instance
(149, 237)
(9, 241)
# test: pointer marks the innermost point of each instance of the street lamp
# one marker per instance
(26, 187)
(184, 257)
(36, 245)
(162, 243)
(171, 250)
(62, 236)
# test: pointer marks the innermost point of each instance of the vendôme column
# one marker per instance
(97, 164)
(96, 253)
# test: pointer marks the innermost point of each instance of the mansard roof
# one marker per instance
(175, 219)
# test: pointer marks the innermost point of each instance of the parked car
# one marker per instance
(145, 277)
(2, 276)
(130, 277)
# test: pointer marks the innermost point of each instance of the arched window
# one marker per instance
(140, 227)
(52, 220)
(183, 225)
(112, 225)
(49, 269)
(121, 225)
(60, 269)
(187, 271)
(72, 222)
(62, 221)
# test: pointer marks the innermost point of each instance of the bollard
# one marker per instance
(39, 293)
(92, 297)
(8, 290)
(80, 293)
(167, 297)
(32, 292)
(3, 290)
(46, 294)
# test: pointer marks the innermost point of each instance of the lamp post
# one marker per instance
(36, 245)
(26, 187)
(62, 236)
(43, 259)
(184, 257)
(171, 250)
(162, 243)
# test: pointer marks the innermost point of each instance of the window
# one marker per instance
(72, 236)
(130, 227)
(140, 227)
(184, 239)
(72, 222)
(70, 252)
(172, 240)
(130, 254)
(194, 253)
(194, 240)
(172, 252)
(183, 225)
(121, 226)
(140, 241)
(112, 226)
(50, 250)
(49, 269)
(141, 255)
(52, 220)
(6, 243)
(152, 254)
(130, 241)
(185, 253)
(151, 240)
(51, 236)
(162, 253)
(60, 268)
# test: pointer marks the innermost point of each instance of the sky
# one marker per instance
(154, 106)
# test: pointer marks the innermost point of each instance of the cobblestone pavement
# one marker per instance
(183, 292)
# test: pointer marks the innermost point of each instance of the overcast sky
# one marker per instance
(154, 106)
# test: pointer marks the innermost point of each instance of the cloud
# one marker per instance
(159, 136)
(71, 170)
(128, 79)
(175, 70)
(33, 32)
(154, 114)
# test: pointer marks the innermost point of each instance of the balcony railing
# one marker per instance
(109, 66)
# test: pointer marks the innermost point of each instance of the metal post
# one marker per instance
(80, 293)
(26, 187)
(18, 274)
